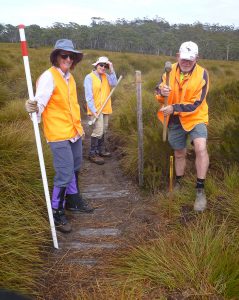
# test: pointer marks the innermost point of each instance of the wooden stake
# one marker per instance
(140, 129)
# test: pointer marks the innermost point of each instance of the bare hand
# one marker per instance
(167, 110)
(31, 106)
(165, 90)
(111, 68)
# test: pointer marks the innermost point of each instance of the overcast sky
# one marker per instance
(47, 12)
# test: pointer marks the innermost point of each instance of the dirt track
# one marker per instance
(121, 218)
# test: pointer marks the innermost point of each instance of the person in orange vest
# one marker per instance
(57, 104)
(97, 86)
(187, 115)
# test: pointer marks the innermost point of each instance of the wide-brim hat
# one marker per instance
(66, 45)
(101, 60)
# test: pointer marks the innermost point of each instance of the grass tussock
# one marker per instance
(224, 195)
(196, 261)
(24, 226)
(13, 111)
(201, 262)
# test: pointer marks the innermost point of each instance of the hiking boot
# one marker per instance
(105, 153)
(61, 221)
(201, 201)
(75, 203)
(102, 149)
(95, 158)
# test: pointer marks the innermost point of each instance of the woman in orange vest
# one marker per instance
(187, 115)
(57, 104)
(97, 86)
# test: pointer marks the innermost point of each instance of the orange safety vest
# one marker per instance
(101, 90)
(186, 92)
(61, 117)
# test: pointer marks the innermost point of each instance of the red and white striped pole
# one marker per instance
(37, 133)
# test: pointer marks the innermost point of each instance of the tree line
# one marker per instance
(148, 36)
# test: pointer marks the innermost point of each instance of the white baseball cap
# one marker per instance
(101, 60)
(188, 51)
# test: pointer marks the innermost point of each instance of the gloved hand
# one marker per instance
(31, 106)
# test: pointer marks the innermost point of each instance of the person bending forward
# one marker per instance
(187, 115)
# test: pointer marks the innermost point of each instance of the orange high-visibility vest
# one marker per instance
(101, 90)
(186, 92)
(61, 117)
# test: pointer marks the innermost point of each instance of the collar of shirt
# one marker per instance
(183, 76)
(97, 74)
(66, 75)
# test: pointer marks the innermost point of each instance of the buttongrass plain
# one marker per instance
(194, 257)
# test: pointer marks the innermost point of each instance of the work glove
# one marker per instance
(31, 106)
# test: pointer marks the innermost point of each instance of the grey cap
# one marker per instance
(66, 45)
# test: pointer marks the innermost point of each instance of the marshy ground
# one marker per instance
(122, 218)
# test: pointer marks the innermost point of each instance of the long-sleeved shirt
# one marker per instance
(187, 96)
(45, 88)
(112, 79)
(44, 91)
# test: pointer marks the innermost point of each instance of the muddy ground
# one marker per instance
(124, 216)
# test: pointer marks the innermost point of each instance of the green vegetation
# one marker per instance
(195, 256)
(147, 36)
(24, 229)
(201, 261)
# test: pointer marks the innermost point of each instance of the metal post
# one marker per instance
(140, 129)
(37, 133)
(170, 185)
(171, 174)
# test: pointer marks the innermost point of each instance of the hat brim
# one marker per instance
(187, 56)
(78, 55)
(99, 62)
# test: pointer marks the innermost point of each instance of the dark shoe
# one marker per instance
(61, 221)
(96, 159)
(102, 149)
(75, 203)
(105, 154)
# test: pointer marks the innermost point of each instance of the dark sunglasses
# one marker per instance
(104, 65)
(65, 56)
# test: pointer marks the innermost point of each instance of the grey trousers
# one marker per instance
(67, 159)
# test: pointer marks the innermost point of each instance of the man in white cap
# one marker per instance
(187, 115)
(57, 104)
(97, 86)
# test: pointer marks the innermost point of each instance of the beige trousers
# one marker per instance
(101, 125)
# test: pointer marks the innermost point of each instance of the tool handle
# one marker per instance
(92, 122)
(165, 104)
